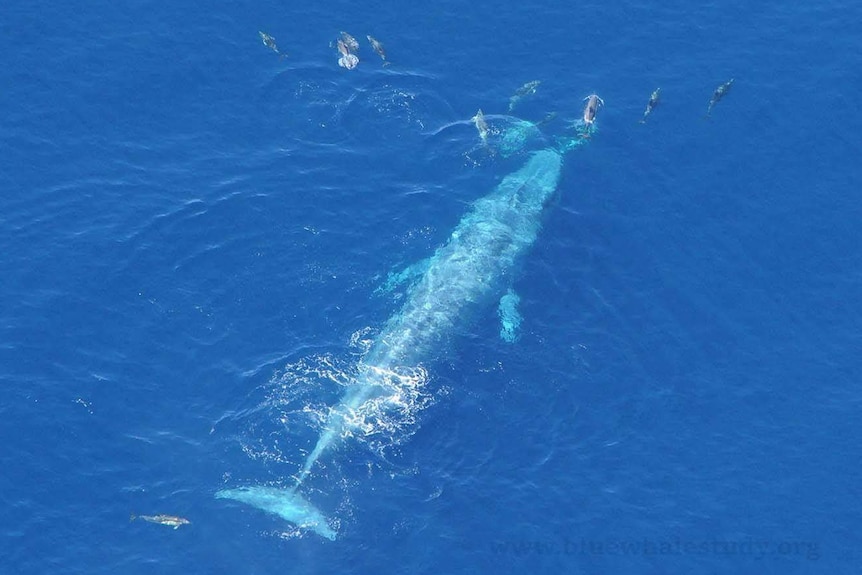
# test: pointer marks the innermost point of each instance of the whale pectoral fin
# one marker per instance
(510, 318)
(407, 275)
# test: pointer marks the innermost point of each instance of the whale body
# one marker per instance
(469, 270)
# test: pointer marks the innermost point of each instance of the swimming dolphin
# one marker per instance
(585, 125)
(169, 520)
(378, 48)
(653, 102)
(269, 42)
(350, 42)
(592, 108)
(525, 90)
(719, 93)
(481, 125)
(347, 59)
(549, 117)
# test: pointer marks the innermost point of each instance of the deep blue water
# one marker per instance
(193, 230)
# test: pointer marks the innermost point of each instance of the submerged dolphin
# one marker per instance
(472, 268)
(653, 102)
(719, 93)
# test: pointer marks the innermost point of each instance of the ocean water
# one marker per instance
(195, 232)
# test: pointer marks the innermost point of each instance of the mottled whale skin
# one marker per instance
(472, 268)
(469, 269)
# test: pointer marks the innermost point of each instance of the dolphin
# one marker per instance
(472, 268)
(350, 42)
(719, 93)
(174, 521)
(377, 46)
(586, 126)
(653, 102)
(269, 42)
(481, 125)
(592, 108)
(525, 90)
(347, 60)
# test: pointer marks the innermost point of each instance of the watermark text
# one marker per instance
(756, 548)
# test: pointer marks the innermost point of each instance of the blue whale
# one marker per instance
(472, 268)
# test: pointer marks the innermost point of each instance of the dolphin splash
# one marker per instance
(471, 269)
